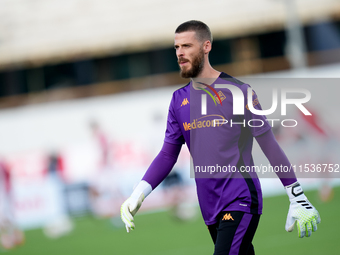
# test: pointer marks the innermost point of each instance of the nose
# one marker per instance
(179, 52)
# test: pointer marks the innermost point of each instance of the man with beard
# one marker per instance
(230, 198)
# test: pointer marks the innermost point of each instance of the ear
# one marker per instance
(207, 46)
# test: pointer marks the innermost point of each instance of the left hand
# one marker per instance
(301, 211)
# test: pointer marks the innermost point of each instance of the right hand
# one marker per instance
(128, 210)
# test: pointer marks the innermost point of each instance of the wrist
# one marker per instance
(142, 189)
(294, 191)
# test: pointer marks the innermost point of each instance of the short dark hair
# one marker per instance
(202, 30)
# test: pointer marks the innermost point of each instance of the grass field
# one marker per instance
(159, 234)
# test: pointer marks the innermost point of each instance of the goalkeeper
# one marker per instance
(231, 203)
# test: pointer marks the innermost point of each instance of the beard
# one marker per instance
(196, 66)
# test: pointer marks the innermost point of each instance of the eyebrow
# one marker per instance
(184, 44)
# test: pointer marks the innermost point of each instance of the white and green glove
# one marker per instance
(301, 211)
(130, 207)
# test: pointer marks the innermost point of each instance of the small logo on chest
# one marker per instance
(185, 102)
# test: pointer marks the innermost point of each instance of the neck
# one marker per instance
(207, 76)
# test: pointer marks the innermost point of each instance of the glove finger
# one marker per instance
(290, 222)
(127, 219)
(314, 225)
(128, 223)
(126, 212)
(308, 229)
(318, 220)
(130, 228)
(301, 229)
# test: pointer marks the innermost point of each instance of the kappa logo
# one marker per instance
(227, 216)
(185, 102)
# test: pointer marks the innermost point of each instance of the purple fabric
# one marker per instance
(218, 146)
(240, 233)
(162, 164)
(276, 156)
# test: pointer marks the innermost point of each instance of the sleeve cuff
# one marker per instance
(294, 190)
(142, 187)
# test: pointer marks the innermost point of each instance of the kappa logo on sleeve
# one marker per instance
(227, 216)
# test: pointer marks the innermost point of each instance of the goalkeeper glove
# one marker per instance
(130, 207)
(301, 211)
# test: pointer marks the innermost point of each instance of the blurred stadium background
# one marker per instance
(84, 91)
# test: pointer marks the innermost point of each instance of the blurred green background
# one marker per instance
(65, 63)
(159, 233)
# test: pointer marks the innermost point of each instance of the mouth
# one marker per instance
(183, 62)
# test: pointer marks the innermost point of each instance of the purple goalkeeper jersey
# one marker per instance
(220, 144)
